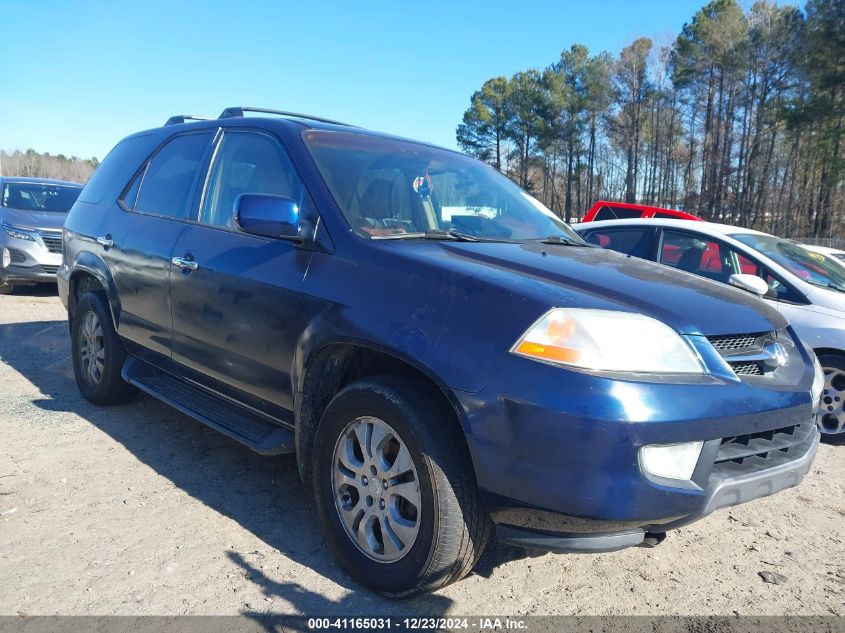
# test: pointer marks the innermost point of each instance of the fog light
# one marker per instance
(7, 258)
(672, 461)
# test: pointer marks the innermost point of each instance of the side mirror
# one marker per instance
(267, 215)
(751, 283)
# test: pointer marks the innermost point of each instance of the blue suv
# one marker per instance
(446, 358)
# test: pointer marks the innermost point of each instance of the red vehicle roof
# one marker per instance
(609, 210)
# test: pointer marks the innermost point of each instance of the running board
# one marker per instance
(248, 427)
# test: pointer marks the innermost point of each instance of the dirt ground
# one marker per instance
(138, 509)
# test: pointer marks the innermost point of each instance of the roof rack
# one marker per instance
(238, 111)
(183, 118)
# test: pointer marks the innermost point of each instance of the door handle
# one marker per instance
(184, 263)
(106, 241)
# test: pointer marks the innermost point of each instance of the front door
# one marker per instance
(235, 303)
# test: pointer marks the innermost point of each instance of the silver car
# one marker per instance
(807, 287)
(32, 213)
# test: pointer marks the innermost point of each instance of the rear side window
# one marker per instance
(247, 162)
(634, 242)
(169, 183)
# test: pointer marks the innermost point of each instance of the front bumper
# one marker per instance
(558, 465)
(28, 261)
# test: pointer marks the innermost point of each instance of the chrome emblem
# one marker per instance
(777, 355)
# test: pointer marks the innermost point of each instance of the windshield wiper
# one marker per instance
(451, 234)
(434, 234)
(559, 239)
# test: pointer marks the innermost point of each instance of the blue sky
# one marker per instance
(78, 76)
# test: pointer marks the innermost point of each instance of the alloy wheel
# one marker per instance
(91, 348)
(831, 412)
(376, 489)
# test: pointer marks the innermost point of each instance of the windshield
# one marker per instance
(391, 189)
(814, 268)
(33, 196)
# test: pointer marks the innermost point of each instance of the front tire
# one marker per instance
(97, 352)
(395, 488)
(6, 288)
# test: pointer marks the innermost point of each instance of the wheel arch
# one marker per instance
(90, 273)
(820, 351)
(340, 363)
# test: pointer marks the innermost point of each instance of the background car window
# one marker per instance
(618, 213)
(634, 242)
(169, 183)
(33, 196)
(698, 254)
(247, 163)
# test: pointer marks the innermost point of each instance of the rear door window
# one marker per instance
(636, 242)
(170, 179)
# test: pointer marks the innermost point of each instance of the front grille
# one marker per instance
(757, 451)
(29, 271)
(53, 242)
(747, 368)
(736, 342)
(729, 345)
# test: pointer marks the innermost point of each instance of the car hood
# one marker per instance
(825, 301)
(33, 219)
(562, 276)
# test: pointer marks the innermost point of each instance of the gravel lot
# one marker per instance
(139, 510)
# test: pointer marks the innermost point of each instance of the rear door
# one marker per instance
(234, 315)
(156, 205)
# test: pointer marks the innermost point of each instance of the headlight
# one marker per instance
(21, 234)
(607, 340)
(818, 383)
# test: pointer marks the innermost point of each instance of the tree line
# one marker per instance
(33, 164)
(740, 119)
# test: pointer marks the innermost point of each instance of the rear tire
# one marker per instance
(6, 288)
(97, 353)
(832, 410)
(388, 432)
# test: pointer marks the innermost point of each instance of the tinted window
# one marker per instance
(634, 242)
(33, 196)
(699, 255)
(247, 163)
(131, 196)
(618, 213)
(169, 182)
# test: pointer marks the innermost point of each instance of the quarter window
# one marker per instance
(169, 183)
(247, 162)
